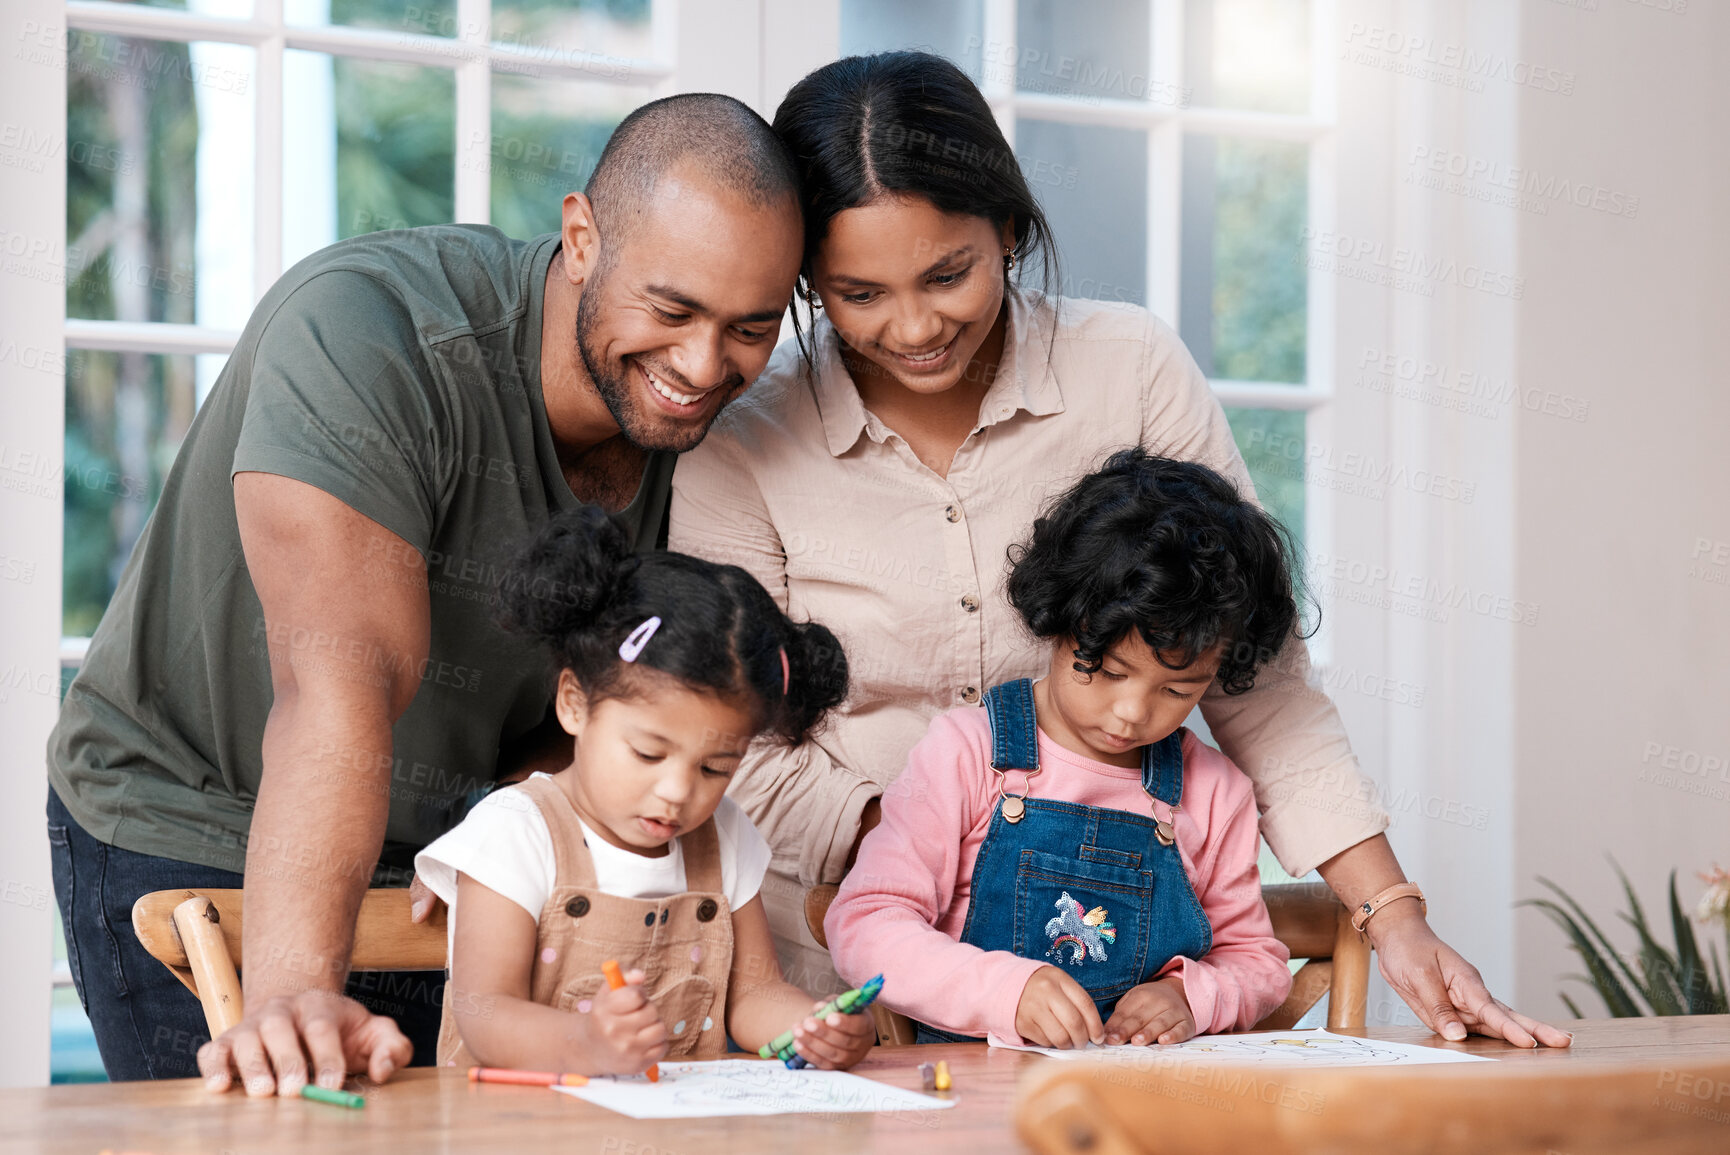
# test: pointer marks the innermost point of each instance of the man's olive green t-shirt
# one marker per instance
(399, 373)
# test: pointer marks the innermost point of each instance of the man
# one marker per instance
(299, 677)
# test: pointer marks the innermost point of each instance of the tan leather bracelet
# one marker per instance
(1393, 893)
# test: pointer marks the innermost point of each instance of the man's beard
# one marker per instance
(642, 428)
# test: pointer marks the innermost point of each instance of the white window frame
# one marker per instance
(1166, 125)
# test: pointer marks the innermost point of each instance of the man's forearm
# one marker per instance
(316, 832)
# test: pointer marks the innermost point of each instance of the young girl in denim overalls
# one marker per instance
(669, 666)
(1069, 864)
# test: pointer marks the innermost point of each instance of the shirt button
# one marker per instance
(953, 513)
(577, 907)
(970, 604)
(707, 910)
(970, 695)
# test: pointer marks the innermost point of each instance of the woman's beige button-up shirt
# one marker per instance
(801, 485)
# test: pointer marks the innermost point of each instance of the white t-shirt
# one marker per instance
(504, 844)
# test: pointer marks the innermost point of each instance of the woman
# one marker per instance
(874, 479)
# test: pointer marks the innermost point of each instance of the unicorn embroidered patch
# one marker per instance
(1085, 932)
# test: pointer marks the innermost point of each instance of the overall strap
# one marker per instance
(572, 864)
(1162, 768)
(1014, 729)
(702, 851)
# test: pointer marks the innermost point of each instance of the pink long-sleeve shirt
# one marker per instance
(903, 905)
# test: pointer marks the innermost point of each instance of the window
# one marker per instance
(1180, 148)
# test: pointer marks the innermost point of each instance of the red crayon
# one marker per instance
(615, 980)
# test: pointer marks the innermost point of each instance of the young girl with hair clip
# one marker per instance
(1069, 864)
(668, 667)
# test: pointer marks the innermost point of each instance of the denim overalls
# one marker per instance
(1090, 890)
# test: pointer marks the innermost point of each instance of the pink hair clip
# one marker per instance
(786, 673)
(632, 647)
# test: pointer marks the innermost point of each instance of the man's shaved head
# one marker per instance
(716, 136)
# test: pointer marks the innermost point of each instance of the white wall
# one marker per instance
(32, 436)
(1633, 645)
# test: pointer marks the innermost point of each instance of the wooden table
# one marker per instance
(440, 1111)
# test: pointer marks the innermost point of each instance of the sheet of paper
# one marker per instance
(747, 1087)
(1317, 1048)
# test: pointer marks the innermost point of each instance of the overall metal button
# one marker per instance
(707, 910)
(577, 907)
(649, 919)
(664, 915)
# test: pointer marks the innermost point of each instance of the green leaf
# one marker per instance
(1609, 948)
(1691, 969)
(1615, 995)
(1569, 1003)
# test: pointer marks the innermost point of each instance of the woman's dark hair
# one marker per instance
(909, 123)
(1165, 548)
(579, 588)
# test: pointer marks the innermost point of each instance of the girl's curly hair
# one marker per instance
(1168, 549)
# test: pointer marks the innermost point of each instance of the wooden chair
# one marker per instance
(1307, 918)
(1506, 1108)
(197, 935)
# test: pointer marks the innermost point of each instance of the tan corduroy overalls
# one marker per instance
(683, 943)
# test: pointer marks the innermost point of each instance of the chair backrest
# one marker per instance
(197, 934)
(1307, 918)
(1503, 1108)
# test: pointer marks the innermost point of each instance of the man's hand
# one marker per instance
(341, 1036)
(1055, 1011)
(1152, 1012)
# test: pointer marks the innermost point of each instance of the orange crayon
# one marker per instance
(615, 980)
(524, 1078)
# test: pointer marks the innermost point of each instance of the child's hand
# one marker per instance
(836, 1042)
(625, 1031)
(1152, 1012)
(1055, 1012)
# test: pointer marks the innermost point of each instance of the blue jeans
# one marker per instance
(149, 1026)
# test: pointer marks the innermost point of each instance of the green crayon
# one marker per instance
(850, 1002)
(337, 1098)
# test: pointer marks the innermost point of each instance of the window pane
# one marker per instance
(614, 28)
(395, 145)
(1244, 307)
(158, 180)
(952, 30)
(1272, 444)
(1248, 54)
(126, 414)
(239, 9)
(1101, 55)
(417, 17)
(1092, 183)
(547, 136)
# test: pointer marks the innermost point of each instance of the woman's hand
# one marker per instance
(835, 1043)
(422, 902)
(1445, 990)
